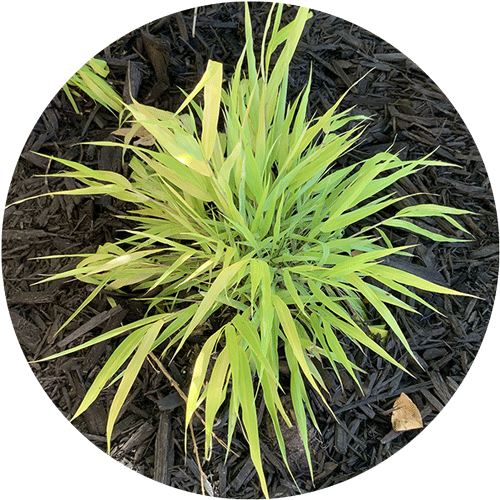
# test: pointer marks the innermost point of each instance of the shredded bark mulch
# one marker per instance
(408, 111)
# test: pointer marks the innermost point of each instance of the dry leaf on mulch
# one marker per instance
(405, 416)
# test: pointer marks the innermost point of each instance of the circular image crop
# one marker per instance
(250, 250)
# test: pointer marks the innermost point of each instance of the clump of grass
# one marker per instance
(255, 215)
(90, 79)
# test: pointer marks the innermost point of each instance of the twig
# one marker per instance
(194, 22)
(197, 459)
(184, 397)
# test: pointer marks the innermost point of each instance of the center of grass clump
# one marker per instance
(256, 217)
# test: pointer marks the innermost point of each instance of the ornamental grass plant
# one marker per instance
(240, 203)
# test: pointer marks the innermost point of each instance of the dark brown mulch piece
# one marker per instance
(28, 334)
(409, 113)
(164, 448)
(133, 82)
(158, 51)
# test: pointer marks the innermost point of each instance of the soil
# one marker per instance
(408, 111)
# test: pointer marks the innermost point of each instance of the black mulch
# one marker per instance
(407, 108)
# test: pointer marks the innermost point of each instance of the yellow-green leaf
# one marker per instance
(130, 376)
(212, 95)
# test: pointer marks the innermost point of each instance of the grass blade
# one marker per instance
(130, 376)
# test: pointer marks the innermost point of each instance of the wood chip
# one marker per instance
(29, 334)
(405, 416)
(158, 51)
(245, 474)
(132, 82)
(90, 325)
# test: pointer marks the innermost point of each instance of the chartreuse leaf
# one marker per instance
(292, 290)
(130, 375)
(109, 335)
(179, 144)
(90, 79)
(172, 268)
(84, 304)
(84, 173)
(199, 374)
(430, 210)
(246, 329)
(177, 174)
(402, 290)
(180, 318)
(274, 405)
(100, 91)
(211, 109)
(242, 378)
(267, 313)
(99, 67)
(355, 333)
(215, 395)
(374, 298)
(221, 283)
(413, 280)
(299, 396)
(290, 331)
(291, 33)
(112, 365)
(335, 349)
(334, 223)
(410, 226)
